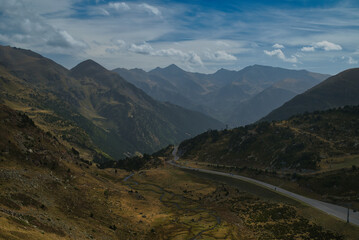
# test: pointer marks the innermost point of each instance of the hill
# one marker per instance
(111, 114)
(337, 91)
(222, 93)
(302, 142)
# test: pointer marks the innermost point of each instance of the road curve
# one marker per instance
(331, 209)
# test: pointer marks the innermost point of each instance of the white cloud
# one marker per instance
(120, 43)
(281, 55)
(187, 57)
(150, 9)
(352, 60)
(117, 46)
(170, 52)
(144, 48)
(194, 58)
(70, 40)
(327, 46)
(220, 56)
(279, 46)
(22, 27)
(104, 12)
(119, 6)
(222, 43)
(307, 49)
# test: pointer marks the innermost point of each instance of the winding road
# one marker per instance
(331, 209)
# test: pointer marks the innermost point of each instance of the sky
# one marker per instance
(197, 35)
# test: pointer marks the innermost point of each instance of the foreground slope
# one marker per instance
(337, 91)
(119, 118)
(48, 192)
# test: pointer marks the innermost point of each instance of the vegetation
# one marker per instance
(300, 143)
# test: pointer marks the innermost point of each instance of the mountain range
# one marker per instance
(90, 107)
(233, 97)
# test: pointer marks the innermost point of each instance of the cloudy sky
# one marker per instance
(197, 35)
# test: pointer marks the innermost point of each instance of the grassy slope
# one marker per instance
(55, 116)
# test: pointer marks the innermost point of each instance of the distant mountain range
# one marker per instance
(89, 107)
(234, 97)
(337, 91)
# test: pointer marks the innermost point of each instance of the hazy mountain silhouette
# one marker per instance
(225, 94)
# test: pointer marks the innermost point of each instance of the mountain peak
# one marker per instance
(223, 70)
(173, 68)
(89, 63)
(87, 68)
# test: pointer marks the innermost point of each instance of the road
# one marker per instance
(331, 209)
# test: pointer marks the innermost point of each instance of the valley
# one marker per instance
(47, 191)
(179, 120)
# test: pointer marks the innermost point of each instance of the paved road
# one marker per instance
(335, 210)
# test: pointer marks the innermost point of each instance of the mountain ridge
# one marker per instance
(337, 91)
(118, 117)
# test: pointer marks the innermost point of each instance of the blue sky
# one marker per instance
(197, 35)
